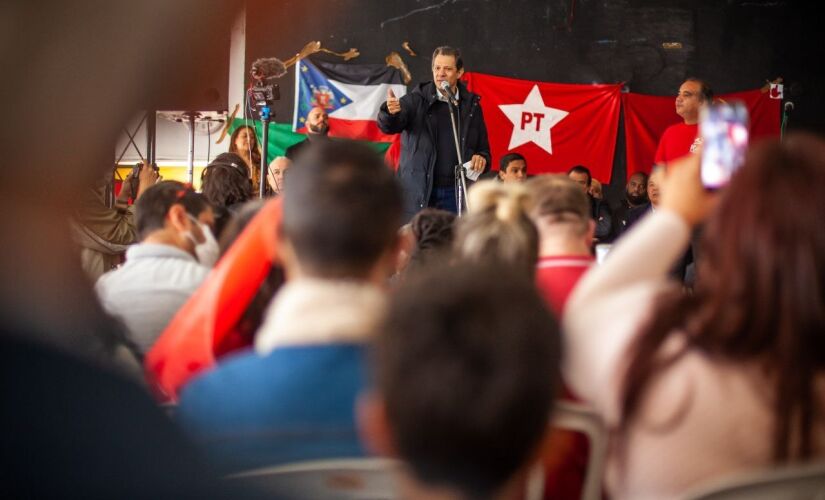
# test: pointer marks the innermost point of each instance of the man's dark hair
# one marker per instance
(506, 159)
(643, 175)
(446, 50)
(467, 385)
(433, 230)
(705, 92)
(342, 209)
(153, 205)
(225, 181)
(581, 169)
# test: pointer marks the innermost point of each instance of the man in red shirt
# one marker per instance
(561, 213)
(681, 139)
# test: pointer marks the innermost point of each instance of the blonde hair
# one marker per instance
(497, 227)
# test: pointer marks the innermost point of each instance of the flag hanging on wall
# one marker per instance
(555, 126)
(646, 117)
(351, 94)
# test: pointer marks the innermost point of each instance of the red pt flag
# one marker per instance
(554, 126)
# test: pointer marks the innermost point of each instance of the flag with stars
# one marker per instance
(555, 126)
(350, 93)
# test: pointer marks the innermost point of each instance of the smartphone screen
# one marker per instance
(724, 131)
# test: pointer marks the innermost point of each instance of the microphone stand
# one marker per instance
(786, 109)
(460, 179)
(264, 151)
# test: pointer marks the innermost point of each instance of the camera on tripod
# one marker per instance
(264, 94)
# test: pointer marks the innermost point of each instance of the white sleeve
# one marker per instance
(610, 303)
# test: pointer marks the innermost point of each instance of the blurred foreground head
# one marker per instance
(87, 67)
(464, 387)
(498, 228)
(342, 212)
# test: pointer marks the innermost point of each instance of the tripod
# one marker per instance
(263, 95)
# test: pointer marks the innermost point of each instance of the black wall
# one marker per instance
(735, 45)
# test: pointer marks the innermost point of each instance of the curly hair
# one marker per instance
(225, 185)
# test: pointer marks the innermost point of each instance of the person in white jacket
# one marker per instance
(729, 379)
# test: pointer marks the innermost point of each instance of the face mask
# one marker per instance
(208, 251)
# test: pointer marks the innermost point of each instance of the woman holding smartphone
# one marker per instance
(730, 378)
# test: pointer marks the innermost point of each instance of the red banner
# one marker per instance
(555, 126)
(646, 117)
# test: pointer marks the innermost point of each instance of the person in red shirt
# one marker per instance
(681, 139)
(561, 213)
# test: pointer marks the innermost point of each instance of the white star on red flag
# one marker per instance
(532, 121)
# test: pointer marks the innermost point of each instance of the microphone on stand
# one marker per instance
(789, 106)
(445, 86)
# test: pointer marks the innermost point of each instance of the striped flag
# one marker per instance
(350, 93)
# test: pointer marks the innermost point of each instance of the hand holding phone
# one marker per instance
(724, 132)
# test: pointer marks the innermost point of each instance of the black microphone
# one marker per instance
(788, 106)
(445, 86)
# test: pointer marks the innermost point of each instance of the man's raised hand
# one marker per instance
(393, 104)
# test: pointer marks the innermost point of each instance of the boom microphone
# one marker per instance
(267, 68)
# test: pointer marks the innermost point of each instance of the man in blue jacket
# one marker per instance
(428, 153)
(293, 399)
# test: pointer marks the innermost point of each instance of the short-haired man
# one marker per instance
(163, 271)
(561, 213)
(512, 168)
(599, 210)
(463, 386)
(317, 127)
(682, 139)
(635, 194)
(428, 152)
(294, 397)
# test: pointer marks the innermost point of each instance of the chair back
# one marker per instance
(795, 482)
(337, 479)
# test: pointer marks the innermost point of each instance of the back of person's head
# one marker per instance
(238, 222)
(464, 386)
(153, 205)
(760, 291)
(432, 231)
(497, 227)
(342, 210)
(559, 205)
(225, 181)
(766, 262)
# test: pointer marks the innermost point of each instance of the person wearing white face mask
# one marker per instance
(208, 250)
(174, 256)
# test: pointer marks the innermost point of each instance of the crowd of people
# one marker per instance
(353, 314)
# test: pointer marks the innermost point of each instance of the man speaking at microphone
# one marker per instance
(428, 152)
